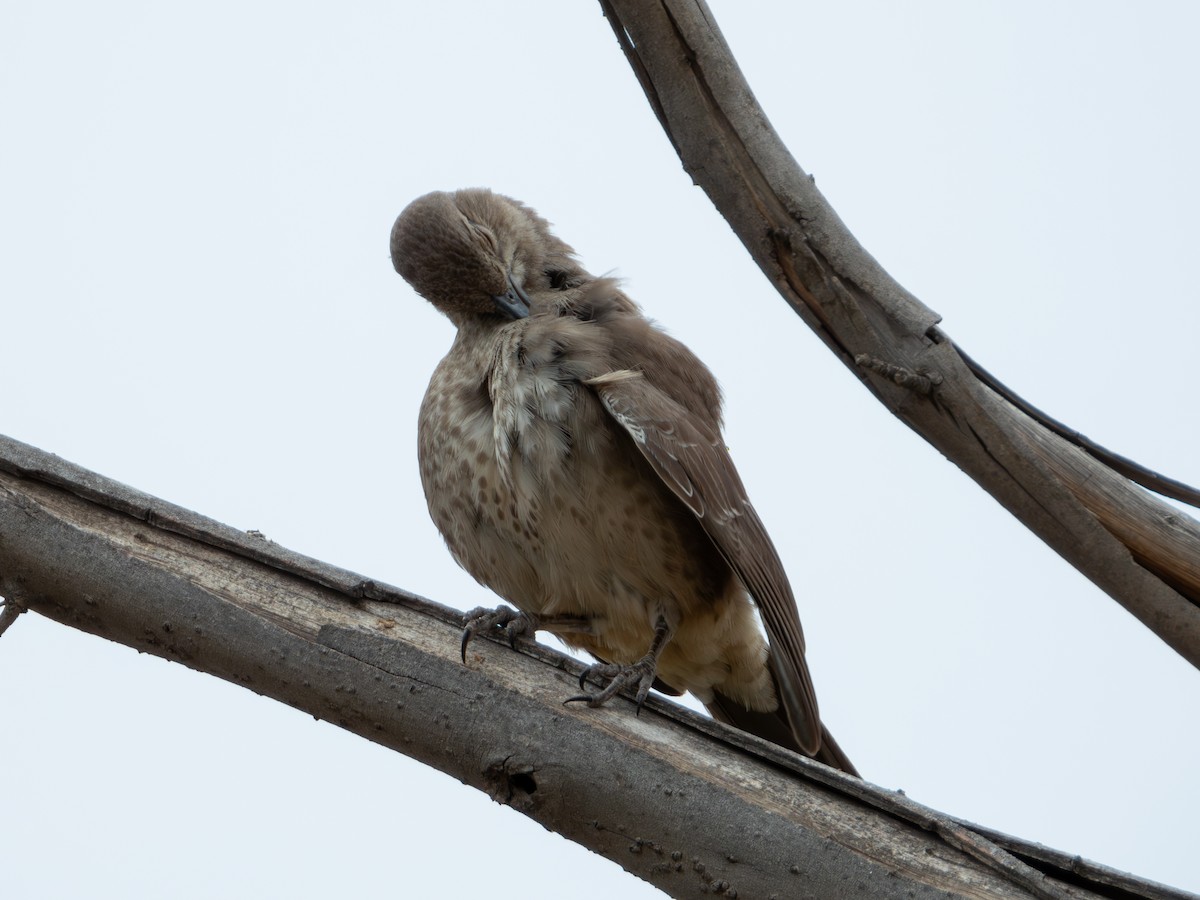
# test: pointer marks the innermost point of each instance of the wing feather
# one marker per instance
(689, 456)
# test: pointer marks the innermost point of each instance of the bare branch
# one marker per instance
(383, 663)
(9, 610)
(1141, 551)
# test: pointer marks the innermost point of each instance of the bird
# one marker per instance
(572, 458)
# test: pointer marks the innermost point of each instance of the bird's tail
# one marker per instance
(774, 727)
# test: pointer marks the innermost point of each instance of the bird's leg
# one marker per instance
(640, 673)
(517, 624)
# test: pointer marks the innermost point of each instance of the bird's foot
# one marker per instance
(640, 673)
(514, 624)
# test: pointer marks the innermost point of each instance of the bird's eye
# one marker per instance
(558, 279)
(484, 234)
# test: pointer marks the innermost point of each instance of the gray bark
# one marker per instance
(1075, 496)
(675, 798)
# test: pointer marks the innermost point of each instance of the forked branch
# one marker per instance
(1081, 499)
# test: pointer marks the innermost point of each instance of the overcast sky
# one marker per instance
(195, 202)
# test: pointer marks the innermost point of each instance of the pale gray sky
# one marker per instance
(195, 202)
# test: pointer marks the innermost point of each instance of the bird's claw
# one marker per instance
(640, 673)
(515, 624)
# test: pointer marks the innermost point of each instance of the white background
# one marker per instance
(197, 300)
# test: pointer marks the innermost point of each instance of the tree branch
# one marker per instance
(9, 610)
(382, 663)
(1143, 552)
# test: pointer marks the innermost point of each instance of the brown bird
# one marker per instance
(571, 456)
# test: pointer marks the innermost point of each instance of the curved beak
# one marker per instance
(514, 302)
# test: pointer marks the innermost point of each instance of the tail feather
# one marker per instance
(833, 756)
(774, 727)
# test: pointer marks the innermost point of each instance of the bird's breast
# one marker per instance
(496, 451)
(542, 497)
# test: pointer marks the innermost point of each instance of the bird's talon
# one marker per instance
(614, 679)
(642, 694)
(482, 619)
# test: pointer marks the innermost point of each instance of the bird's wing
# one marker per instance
(692, 460)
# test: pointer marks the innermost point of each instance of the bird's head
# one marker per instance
(473, 253)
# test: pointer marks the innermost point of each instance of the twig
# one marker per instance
(923, 382)
(1123, 465)
(8, 615)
